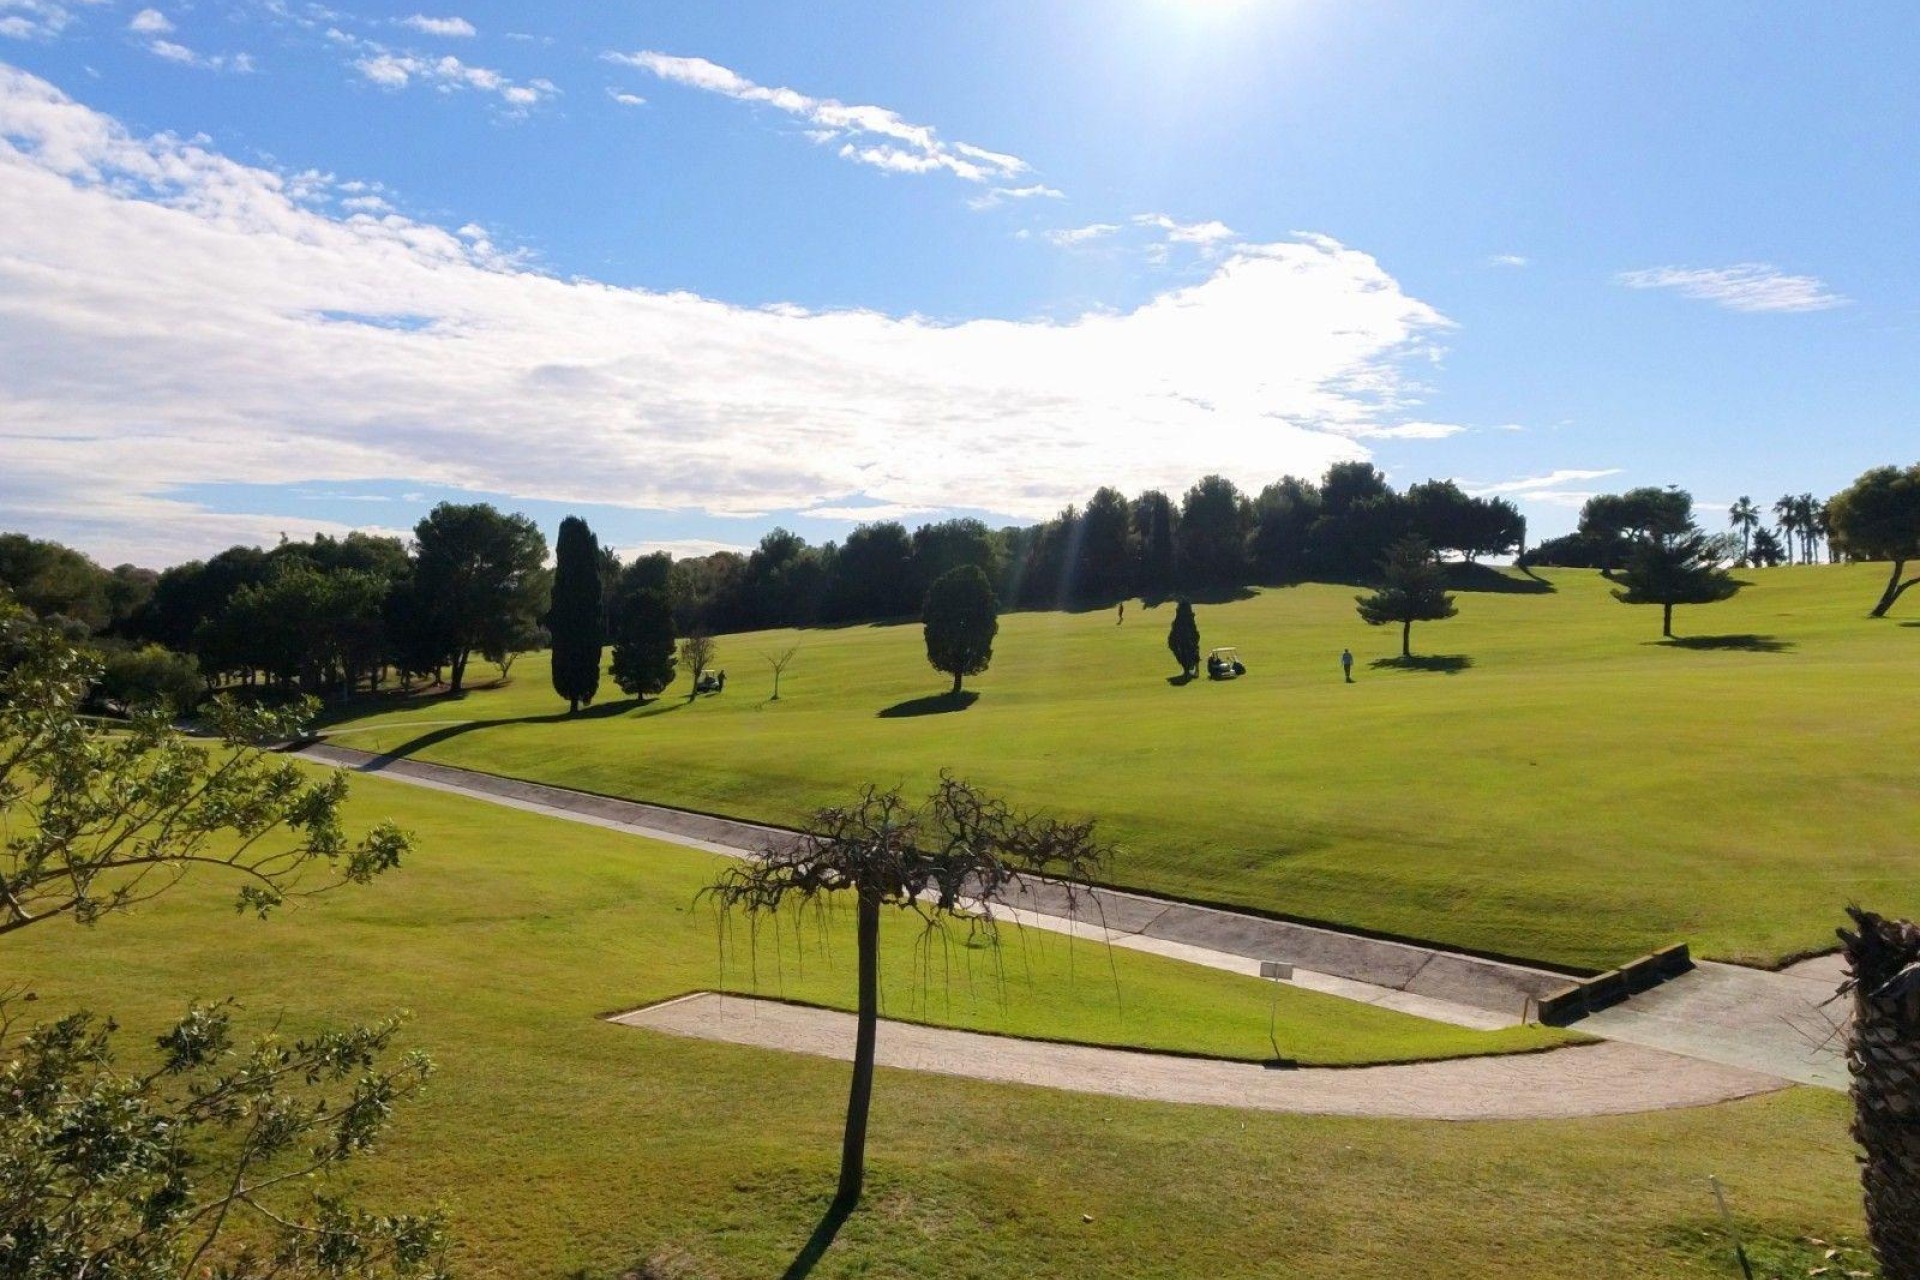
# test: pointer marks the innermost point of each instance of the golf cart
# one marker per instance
(1224, 664)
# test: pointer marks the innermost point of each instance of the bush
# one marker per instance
(149, 675)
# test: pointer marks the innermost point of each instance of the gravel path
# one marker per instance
(1591, 1080)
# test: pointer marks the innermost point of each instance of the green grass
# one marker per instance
(1569, 790)
(565, 1145)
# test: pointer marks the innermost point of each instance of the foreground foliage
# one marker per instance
(208, 1161)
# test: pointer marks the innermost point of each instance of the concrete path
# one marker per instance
(1444, 987)
(1745, 1019)
(1786, 1024)
(1588, 1080)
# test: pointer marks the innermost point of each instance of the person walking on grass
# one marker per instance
(1346, 664)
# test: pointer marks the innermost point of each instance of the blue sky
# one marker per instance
(694, 270)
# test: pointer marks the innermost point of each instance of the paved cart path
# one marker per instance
(1735, 1025)
(1586, 1080)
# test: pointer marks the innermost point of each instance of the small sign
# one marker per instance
(1276, 969)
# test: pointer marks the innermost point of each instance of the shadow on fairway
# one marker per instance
(1182, 680)
(601, 711)
(938, 704)
(1740, 644)
(1485, 578)
(816, 1246)
(1451, 664)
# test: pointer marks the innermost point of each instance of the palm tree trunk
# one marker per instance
(853, 1148)
(1883, 1057)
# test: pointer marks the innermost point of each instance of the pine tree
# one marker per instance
(576, 617)
(643, 644)
(1413, 589)
(1671, 569)
(961, 619)
(1183, 638)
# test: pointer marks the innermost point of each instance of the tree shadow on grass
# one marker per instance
(1451, 664)
(1483, 577)
(443, 733)
(933, 705)
(1740, 643)
(1182, 680)
(816, 1246)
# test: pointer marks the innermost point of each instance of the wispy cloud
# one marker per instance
(1542, 488)
(182, 318)
(150, 22)
(1070, 237)
(1746, 286)
(1409, 431)
(1506, 260)
(241, 63)
(1001, 195)
(450, 28)
(1204, 234)
(39, 19)
(626, 99)
(867, 135)
(447, 73)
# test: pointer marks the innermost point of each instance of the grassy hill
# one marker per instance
(568, 1147)
(1553, 783)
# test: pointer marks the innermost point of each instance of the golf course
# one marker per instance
(1546, 780)
(563, 1145)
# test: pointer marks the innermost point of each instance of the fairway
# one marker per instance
(1554, 785)
(566, 1146)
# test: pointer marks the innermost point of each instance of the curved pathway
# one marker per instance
(1586, 1080)
(1713, 1035)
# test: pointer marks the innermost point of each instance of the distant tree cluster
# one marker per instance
(1213, 538)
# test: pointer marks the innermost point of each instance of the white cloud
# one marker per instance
(1001, 195)
(447, 73)
(1068, 237)
(1411, 431)
(150, 22)
(868, 135)
(626, 99)
(1204, 234)
(1746, 286)
(174, 317)
(242, 63)
(453, 28)
(38, 19)
(1540, 488)
(1506, 260)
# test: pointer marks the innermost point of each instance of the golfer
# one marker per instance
(1346, 664)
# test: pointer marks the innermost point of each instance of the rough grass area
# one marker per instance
(1549, 781)
(570, 1147)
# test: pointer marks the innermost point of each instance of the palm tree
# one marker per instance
(1745, 517)
(1817, 517)
(1803, 512)
(1883, 1058)
(1786, 513)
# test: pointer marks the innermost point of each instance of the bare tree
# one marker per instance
(958, 855)
(697, 652)
(779, 661)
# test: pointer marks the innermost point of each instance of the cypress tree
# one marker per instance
(1183, 638)
(576, 619)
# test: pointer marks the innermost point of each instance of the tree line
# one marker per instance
(332, 616)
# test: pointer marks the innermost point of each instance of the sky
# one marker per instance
(271, 267)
